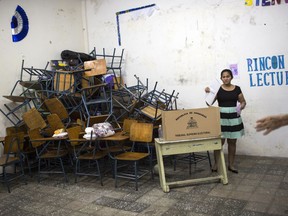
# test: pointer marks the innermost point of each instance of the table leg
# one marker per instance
(163, 183)
(221, 166)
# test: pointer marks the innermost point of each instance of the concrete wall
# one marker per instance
(54, 26)
(185, 44)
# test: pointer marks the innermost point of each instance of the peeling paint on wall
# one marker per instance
(252, 21)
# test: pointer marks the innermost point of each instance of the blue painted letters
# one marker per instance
(267, 71)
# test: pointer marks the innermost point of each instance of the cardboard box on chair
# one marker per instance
(191, 124)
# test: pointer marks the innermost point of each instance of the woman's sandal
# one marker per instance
(214, 168)
(232, 170)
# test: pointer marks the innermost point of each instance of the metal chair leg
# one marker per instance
(6, 179)
(76, 170)
(136, 174)
(100, 176)
(63, 170)
(115, 173)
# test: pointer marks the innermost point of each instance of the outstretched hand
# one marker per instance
(269, 123)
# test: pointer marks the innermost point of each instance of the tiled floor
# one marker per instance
(260, 188)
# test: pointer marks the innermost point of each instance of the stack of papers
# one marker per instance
(214, 87)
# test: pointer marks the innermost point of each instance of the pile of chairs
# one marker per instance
(72, 152)
(86, 90)
(73, 98)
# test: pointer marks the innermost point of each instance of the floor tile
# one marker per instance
(260, 189)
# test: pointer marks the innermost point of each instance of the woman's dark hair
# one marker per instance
(228, 71)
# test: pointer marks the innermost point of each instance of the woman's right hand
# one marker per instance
(207, 89)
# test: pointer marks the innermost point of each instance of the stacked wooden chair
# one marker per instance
(13, 158)
(86, 154)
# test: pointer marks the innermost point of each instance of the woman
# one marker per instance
(231, 121)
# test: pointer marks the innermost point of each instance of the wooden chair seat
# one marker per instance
(151, 112)
(118, 136)
(33, 84)
(15, 98)
(91, 156)
(131, 156)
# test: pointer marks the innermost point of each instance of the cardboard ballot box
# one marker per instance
(191, 124)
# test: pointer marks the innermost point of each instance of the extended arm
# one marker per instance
(271, 123)
(207, 90)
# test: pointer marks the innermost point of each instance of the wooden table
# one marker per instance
(188, 146)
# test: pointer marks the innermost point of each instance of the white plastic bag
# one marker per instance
(104, 129)
(89, 133)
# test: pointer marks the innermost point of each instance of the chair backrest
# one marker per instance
(73, 133)
(64, 81)
(127, 125)
(55, 122)
(151, 112)
(16, 129)
(35, 134)
(97, 67)
(55, 106)
(33, 119)
(14, 143)
(97, 119)
(141, 132)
